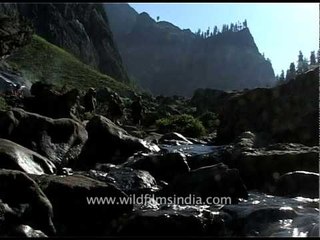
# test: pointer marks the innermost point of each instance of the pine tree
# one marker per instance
(245, 24)
(312, 58)
(291, 73)
(300, 62)
(215, 30)
(281, 78)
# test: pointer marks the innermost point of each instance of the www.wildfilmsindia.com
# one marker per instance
(191, 199)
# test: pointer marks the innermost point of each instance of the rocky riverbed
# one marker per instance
(60, 162)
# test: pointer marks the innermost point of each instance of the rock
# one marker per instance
(211, 181)
(298, 184)
(22, 202)
(262, 221)
(50, 103)
(172, 221)
(14, 34)
(16, 157)
(108, 143)
(207, 159)
(26, 231)
(162, 167)
(130, 181)
(73, 214)
(284, 112)
(174, 137)
(57, 139)
(261, 167)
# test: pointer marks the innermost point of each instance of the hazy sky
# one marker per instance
(280, 30)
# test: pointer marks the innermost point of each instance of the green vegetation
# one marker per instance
(210, 121)
(3, 104)
(43, 61)
(184, 124)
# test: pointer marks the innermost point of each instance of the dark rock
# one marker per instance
(16, 157)
(22, 202)
(248, 221)
(162, 167)
(260, 168)
(284, 112)
(130, 181)
(299, 183)
(211, 181)
(57, 139)
(26, 231)
(175, 138)
(73, 215)
(50, 103)
(108, 143)
(172, 221)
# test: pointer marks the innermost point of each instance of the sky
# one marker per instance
(280, 30)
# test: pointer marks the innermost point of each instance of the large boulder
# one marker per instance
(22, 202)
(172, 220)
(60, 140)
(211, 181)
(162, 166)
(74, 214)
(50, 103)
(299, 183)
(260, 168)
(108, 143)
(288, 113)
(130, 181)
(16, 157)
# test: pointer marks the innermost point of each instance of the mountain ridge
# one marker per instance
(167, 60)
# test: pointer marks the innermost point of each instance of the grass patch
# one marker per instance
(184, 124)
(43, 61)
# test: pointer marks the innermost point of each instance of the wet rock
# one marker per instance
(22, 202)
(208, 159)
(57, 139)
(257, 221)
(26, 231)
(211, 181)
(73, 214)
(162, 166)
(109, 143)
(260, 168)
(172, 221)
(299, 183)
(174, 138)
(130, 181)
(16, 157)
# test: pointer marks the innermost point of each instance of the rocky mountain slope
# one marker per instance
(167, 60)
(81, 29)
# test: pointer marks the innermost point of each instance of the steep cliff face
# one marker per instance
(81, 29)
(167, 60)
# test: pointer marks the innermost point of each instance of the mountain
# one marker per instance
(169, 61)
(81, 29)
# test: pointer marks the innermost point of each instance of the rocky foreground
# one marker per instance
(54, 156)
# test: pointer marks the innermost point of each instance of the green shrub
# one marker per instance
(210, 121)
(3, 104)
(185, 124)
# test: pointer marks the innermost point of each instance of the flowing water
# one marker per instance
(267, 215)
